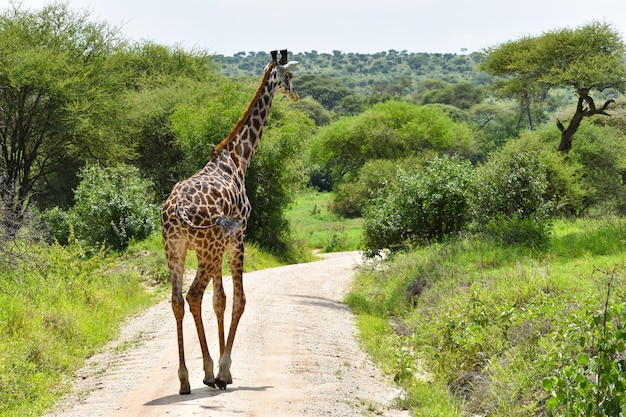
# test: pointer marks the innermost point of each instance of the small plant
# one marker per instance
(511, 200)
(515, 230)
(593, 383)
(404, 365)
(315, 211)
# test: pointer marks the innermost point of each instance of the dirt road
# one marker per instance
(295, 354)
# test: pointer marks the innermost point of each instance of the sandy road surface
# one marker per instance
(295, 354)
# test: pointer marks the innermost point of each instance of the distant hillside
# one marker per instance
(362, 72)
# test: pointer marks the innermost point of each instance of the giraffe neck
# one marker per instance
(244, 138)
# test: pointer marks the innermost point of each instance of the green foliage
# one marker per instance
(518, 231)
(111, 209)
(55, 311)
(424, 204)
(389, 130)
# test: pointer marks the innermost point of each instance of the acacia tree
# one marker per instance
(585, 59)
(57, 94)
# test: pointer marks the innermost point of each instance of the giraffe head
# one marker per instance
(284, 72)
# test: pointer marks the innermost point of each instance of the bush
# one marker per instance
(590, 378)
(350, 198)
(515, 230)
(418, 206)
(512, 199)
(111, 209)
(601, 151)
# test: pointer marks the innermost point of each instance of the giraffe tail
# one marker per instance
(229, 225)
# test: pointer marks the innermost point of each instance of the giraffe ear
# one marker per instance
(289, 66)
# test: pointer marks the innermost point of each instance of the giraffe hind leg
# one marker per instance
(207, 268)
(175, 253)
(224, 376)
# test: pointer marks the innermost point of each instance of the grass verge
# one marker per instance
(55, 311)
(470, 327)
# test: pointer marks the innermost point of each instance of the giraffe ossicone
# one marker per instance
(208, 213)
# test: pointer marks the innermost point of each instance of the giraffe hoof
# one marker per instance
(210, 383)
(184, 390)
(220, 384)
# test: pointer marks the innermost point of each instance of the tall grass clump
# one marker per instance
(56, 309)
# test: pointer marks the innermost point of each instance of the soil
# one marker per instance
(296, 354)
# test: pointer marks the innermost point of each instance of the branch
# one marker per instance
(592, 105)
(605, 107)
(560, 125)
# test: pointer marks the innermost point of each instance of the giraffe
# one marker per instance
(208, 213)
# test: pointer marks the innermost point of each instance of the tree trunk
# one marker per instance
(567, 134)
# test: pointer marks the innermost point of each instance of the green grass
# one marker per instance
(488, 323)
(319, 229)
(55, 311)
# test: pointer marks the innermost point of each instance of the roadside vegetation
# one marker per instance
(495, 232)
(472, 327)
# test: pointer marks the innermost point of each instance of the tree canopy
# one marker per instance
(584, 59)
(388, 130)
(56, 86)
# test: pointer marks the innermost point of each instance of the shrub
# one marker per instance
(419, 206)
(601, 151)
(512, 200)
(350, 198)
(515, 230)
(59, 224)
(511, 185)
(111, 209)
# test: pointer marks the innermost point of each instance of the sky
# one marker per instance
(366, 26)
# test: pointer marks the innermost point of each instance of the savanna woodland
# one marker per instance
(487, 190)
